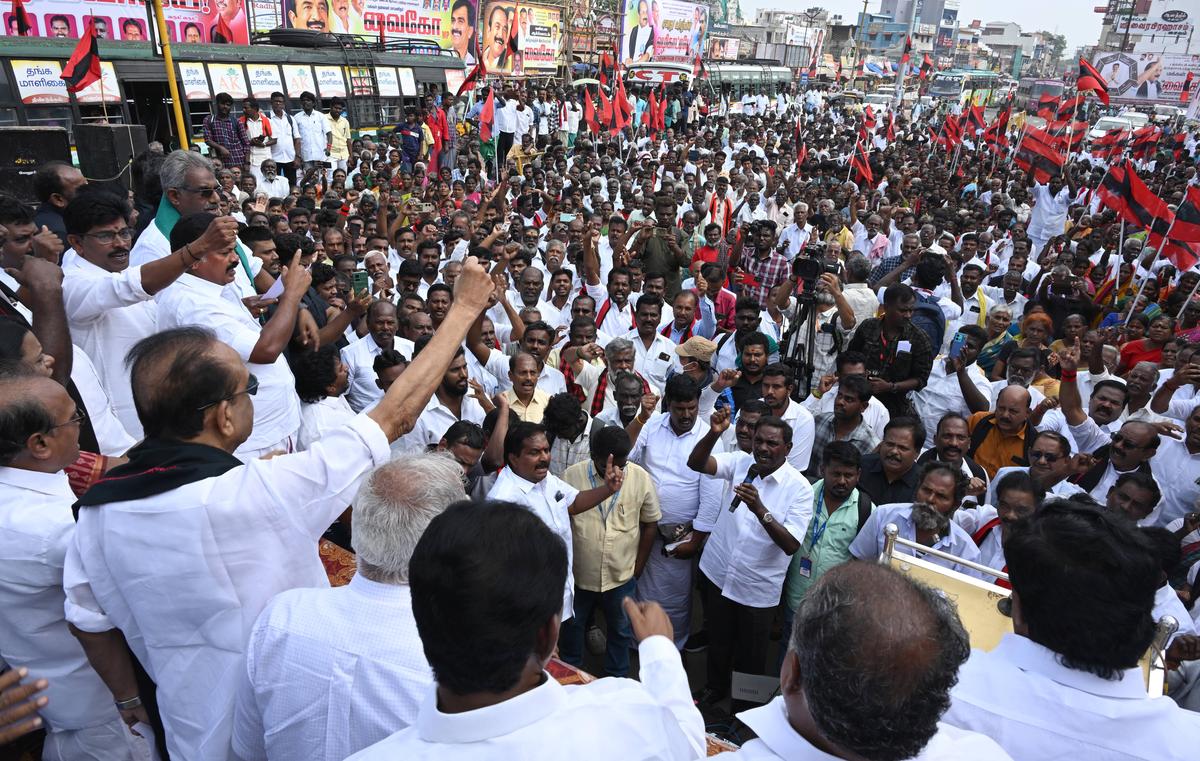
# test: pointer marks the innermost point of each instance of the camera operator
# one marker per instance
(815, 289)
(759, 267)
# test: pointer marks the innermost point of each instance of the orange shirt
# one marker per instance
(997, 450)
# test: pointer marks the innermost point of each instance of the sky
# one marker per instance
(1073, 19)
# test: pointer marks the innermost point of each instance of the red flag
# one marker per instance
(487, 117)
(1047, 106)
(860, 164)
(1067, 108)
(838, 71)
(699, 70)
(589, 112)
(891, 128)
(513, 32)
(1038, 153)
(926, 67)
(974, 120)
(661, 115)
(1125, 193)
(907, 52)
(606, 63)
(83, 68)
(1187, 217)
(25, 26)
(952, 132)
(1186, 92)
(623, 111)
(868, 118)
(648, 114)
(222, 34)
(473, 78)
(1144, 141)
(1111, 143)
(1090, 79)
(801, 156)
(1069, 134)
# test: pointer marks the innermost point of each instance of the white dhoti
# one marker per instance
(668, 582)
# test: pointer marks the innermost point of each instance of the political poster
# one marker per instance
(450, 24)
(723, 48)
(539, 38)
(264, 80)
(191, 22)
(1145, 78)
(663, 30)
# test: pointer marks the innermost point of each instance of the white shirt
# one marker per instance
(152, 245)
(550, 379)
(611, 718)
(193, 301)
(663, 454)
(1049, 216)
(875, 415)
(276, 188)
(618, 321)
(1175, 469)
(108, 313)
(794, 239)
(654, 362)
(548, 499)
(320, 418)
(740, 557)
(186, 606)
(943, 393)
(436, 419)
(868, 545)
(35, 529)
(359, 358)
(1021, 696)
(284, 131)
(804, 427)
(329, 672)
(776, 739)
(312, 129)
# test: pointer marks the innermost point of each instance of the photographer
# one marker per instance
(758, 267)
(815, 289)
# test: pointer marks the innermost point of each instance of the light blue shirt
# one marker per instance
(868, 545)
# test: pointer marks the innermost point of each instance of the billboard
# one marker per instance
(449, 23)
(1145, 77)
(187, 21)
(723, 48)
(539, 38)
(663, 30)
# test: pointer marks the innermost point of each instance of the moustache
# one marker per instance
(231, 267)
(925, 518)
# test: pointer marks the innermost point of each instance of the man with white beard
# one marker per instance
(835, 320)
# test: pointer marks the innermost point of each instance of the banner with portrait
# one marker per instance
(663, 30)
(1145, 78)
(450, 24)
(539, 38)
(187, 21)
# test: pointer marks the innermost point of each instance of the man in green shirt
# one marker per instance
(660, 247)
(837, 516)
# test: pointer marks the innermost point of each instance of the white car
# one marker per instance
(1106, 123)
(879, 102)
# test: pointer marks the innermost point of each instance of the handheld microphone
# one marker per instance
(751, 474)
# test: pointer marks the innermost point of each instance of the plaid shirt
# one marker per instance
(887, 265)
(863, 438)
(231, 135)
(769, 273)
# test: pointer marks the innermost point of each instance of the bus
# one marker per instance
(978, 87)
(1031, 89)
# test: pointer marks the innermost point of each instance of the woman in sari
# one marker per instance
(1036, 330)
(999, 318)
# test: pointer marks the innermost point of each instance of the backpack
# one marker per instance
(865, 506)
(931, 320)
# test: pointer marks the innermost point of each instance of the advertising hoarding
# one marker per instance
(1145, 77)
(193, 21)
(663, 30)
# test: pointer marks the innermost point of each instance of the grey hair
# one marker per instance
(173, 174)
(877, 655)
(1000, 309)
(393, 507)
(858, 268)
(618, 346)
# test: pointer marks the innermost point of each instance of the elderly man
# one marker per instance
(251, 529)
(294, 678)
(1053, 691)
(55, 186)
(110, 304)
(851, 685)
(189, 186)
(999, 439)
(39, 424)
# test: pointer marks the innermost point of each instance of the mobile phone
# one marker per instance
(359, 281)
(956, 345)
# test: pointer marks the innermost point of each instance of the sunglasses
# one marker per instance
(251, 389)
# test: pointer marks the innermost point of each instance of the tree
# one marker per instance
(1055, 45)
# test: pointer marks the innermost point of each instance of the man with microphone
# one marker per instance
(746, 558)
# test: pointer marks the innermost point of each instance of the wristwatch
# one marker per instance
(766, 519)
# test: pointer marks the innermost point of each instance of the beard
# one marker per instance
(925, 518)
(824, 299)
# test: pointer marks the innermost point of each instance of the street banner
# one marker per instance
(1145, 78)
(663, 30)
(539, 38)
(187, 21)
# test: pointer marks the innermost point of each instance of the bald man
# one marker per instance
(998, 439)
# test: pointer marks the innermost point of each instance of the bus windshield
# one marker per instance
(946, 86)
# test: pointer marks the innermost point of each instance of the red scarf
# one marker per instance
(607, 305)
(982, 534)
(666, 331)
(726, 212)
(575, 390)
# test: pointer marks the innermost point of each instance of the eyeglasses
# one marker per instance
(108, 236)
(1120, 438)
(207, 191)
(1047, 456)
(76, 419)
(250, 389)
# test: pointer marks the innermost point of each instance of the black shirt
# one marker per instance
(886, 361)
(744, 390)
(873, 481)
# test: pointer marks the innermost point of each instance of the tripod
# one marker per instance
(801, 360)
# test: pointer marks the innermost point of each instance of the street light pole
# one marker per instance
(898, 97)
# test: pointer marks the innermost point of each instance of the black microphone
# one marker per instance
(751, 474)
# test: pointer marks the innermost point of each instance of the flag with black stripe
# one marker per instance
(974, 119)
(926, 67)
(1144, 141)
(473, 78)
(996, 134)
(861, 165)
(1090, 79)
(25, 26)
(1047, 106)
(1186, 92)
(1125, 193)
(1039, 155)
(907, 54)
(1187, 217)
(1067, 108)
(83, 67)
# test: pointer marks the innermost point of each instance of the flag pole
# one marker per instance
(169, 63)
(1188, 300)
(1142, 289)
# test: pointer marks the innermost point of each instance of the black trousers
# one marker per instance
(738, 636)
(504, 143)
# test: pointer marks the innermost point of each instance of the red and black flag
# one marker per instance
(25, 26)
(1038, 154)
(861, 165)
(1068, 107)
(996, 134)
(661, 116)
(891, 128)
(1090, 79)
(974, 120)
(801, 156)
(926, 67)
(589, 112)
(699, 70)
(1111, 143)
(606, 65)
(83, 68)
(868, 118)
(1047, 106)
(1125, 193)
(622, 110)
(1165, 238)
(514, 31)
(952, 132)
(1187, 217)
(648, 114)
(1070, 134)
(906, 54)
(1186, 92)
(1144, 141)
(473, 78)
(605, 112)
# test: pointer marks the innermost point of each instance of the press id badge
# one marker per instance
(806, 567)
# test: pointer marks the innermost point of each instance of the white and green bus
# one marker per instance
(978, 87)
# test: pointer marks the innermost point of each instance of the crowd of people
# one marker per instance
(640, 396)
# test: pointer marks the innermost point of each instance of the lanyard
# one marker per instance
(607, 505)
(883, 352)
(819, 531)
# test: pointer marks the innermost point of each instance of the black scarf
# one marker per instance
(156, 466)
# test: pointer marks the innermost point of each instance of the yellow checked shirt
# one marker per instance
(532, 412)
(605, 538)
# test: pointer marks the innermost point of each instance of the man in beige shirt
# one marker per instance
(525, 398)
(611, 543)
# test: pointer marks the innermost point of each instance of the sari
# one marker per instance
(991, 352)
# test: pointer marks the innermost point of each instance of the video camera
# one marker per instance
(811, 264)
